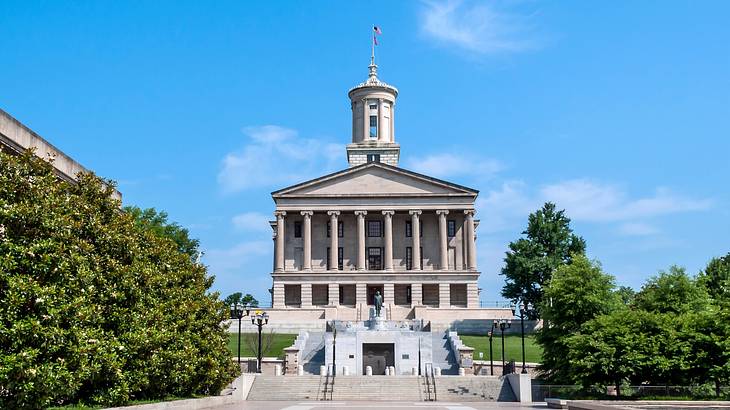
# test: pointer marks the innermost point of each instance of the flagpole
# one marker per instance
(372, 45)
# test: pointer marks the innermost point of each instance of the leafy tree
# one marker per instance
(531, 261)
(626, 295)
(716, 278)
(239, 297)
(577, 293)
(97, 308)
(157, 222)
(672, 291)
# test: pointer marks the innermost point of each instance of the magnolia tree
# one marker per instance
(96, 307)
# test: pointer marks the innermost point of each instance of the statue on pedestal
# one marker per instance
(378, 303)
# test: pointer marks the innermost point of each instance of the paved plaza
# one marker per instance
(369, 405)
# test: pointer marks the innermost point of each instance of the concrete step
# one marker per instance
(473, 388)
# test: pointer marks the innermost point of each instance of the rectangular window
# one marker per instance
(409, 258)
(373, 157)
(409, 229)
(375, 259)
(375, 229)
(451, 228)
(297, 229)
(340, 258)
(373, 126)
(340, 229)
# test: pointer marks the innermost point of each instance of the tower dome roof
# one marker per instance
(374, 82)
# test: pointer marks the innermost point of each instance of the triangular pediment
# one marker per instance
(375, 179)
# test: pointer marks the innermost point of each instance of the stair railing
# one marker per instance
(433, 378)
(430, 382)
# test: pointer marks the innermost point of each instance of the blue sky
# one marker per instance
(617, 111)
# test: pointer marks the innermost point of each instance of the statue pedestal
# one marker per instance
(378, 323)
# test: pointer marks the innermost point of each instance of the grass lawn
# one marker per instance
(249, 344)
(512, 347)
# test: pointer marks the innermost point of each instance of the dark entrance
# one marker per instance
(371, 293)
(378, 356)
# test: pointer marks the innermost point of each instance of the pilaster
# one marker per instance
(278, 297)
(361, 294)
(444, 295)
(306, 295)
(333, 294)
(416, 294)
(388, 293)
(472, 295)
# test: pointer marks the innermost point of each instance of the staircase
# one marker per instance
(443, 357)
(313, 353)
(290, 388)
(376, 388)
(474, 388)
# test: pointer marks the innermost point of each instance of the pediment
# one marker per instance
(374, 179)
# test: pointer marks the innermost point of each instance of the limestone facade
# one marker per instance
(374, 226)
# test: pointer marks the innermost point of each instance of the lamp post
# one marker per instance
(334, 349)
(491, 360)
(523, 310)
(502, 324)
(260, 319)
(237, 310)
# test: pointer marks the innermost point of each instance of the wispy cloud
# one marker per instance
(451, 165)
(252, 221)
(276, 156)
(477, 26)
(229, 260)
(637, 229)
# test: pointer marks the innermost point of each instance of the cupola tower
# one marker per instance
(373, 123)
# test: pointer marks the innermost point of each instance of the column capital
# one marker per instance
(388, 213)
(279, 213)
(307, 213)
(415, 212)
(469, 212)
(442, 212)
(361, 213)
(333, 213)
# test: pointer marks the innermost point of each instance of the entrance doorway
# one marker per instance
(371, 293)
(378, 356)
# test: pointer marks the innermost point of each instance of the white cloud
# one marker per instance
(252, 221)
(585, 200)
(223, 261)
(637, 229)
(450, 165)
(478, 27)
(276, 156)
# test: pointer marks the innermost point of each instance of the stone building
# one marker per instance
(374, 227)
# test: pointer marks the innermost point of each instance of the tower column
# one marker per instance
(307, 233)
(443, 239)
(334, 244)
(361, 239)
(381, 119)
(388, 239)
(279, 249)
(470, 240)
(392, 121)
(416, 236)
(365, 120)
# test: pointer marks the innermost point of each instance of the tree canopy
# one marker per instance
(157, 223)
(97, 308)
(239, 297)
(549, 242)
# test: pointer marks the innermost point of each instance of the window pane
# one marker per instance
(374, 229)
(409, 258)
(373, 126)
(452, 228)
(409, 229)
(340, 229)
(297, 229)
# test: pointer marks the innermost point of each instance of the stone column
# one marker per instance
(279, 249)
(306, 295)
(365, 119)
(354, 123)
(388, 231)
(416, 294)
(470, 240)
(334, 243)
(381, 119)
(443, 239)
(333, 294)
(361, 239)
(307, 234)
(392, 121)
(416, 236)
(444, 295)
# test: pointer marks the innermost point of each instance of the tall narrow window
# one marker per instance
(373, 126)
(409, 258)
(373, 157)
(340, 229)
(297, 229)
(375, 259)
(375, 229)
(452, 228)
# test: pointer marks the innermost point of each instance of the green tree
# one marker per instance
(239, 297)
(157, 222)
(672, 291)
(626, 295)
(97, 308)
(577, 293)
(716, 278)
(531, 261)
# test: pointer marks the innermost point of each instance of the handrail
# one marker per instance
(433, 377)
(428, 384)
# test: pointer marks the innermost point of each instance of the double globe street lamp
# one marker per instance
(237, 312)
(502, 324)
(259, 319)
(524, 310)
